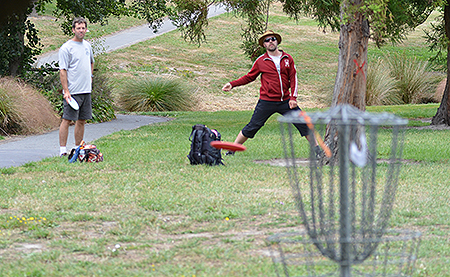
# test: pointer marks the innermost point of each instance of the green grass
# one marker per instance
(145, 211)
(407, 111)
(52, 37)
(220, 60)
(172, 217)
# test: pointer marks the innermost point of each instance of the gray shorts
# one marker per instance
(85, 110)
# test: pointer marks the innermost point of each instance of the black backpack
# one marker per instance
(201, 150)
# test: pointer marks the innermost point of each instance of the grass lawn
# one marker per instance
(52, 36)
(145, 211)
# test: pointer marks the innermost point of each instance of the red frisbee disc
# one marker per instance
(228, 146)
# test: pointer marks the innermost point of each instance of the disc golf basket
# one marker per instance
(345, 200)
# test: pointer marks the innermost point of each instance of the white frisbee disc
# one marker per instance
(73, 103)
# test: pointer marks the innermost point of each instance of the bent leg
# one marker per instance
(240, 138)
(302, 128)
(262, 112)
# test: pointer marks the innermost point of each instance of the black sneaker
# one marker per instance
(318, 152)
(229, 153)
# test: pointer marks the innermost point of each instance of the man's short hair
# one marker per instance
(79, 20)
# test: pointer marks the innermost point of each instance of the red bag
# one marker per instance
(90, 154)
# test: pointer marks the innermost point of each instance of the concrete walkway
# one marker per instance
(18, 151)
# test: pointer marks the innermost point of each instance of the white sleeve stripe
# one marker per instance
(295, 93)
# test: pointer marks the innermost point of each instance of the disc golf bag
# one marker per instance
(85, 153)
(201, 150)
(90, 154)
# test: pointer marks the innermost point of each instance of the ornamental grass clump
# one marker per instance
(415, 81)
(396, 79)
(381, 86)
(155, 94)
(6, 109)
(24, 110)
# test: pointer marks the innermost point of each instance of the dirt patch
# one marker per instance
(84, 238)
(29, 247)
(283, 162)
(305, 162)
(429, 127)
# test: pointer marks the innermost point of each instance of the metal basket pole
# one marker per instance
(364, 191)
(345, 228)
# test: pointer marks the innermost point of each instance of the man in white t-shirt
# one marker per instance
(76, 65)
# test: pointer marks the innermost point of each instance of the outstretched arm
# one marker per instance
(227, 87)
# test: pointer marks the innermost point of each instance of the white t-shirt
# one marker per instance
(76, 57)
(276, 60)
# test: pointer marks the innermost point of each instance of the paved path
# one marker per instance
(18, 151)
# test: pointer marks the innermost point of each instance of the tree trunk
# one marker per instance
(16, 60)
(350, 83)
(442, 115)
(19, 38)
(13, 7)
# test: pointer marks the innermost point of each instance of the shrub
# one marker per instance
(24, 110)
(381, 86)
(6, 110)
(46, 79)
(396, 79)
(155, 94)
(102, 101)
(415, 82)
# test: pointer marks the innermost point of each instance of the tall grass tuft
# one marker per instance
(381, 86)
(6, 110)
(23, 109)
(153, 94)
(395, 79)
(102, 100)
(415, 82)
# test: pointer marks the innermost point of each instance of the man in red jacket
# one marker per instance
(278, 92)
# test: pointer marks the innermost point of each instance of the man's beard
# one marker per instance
(272, 48)
(80, 36)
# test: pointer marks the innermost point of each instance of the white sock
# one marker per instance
(62, 150)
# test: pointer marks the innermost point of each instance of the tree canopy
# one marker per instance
(18, 54)
(389, 20)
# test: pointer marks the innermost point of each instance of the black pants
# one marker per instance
(264, 110)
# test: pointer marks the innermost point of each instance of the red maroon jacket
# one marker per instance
(274, 86)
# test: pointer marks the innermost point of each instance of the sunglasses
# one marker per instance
(270, 39)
